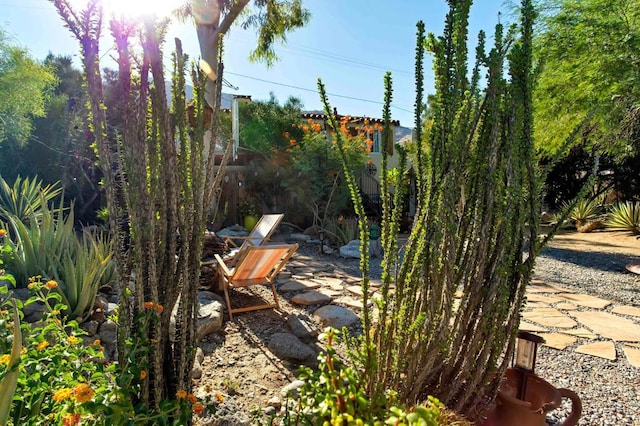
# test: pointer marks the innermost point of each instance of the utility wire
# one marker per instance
(312, 90)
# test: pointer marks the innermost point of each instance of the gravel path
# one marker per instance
(609, 390)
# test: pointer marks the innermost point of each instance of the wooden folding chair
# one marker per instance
(258, 236)
(256, 265)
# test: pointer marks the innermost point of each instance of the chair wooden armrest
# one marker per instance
(222, 265)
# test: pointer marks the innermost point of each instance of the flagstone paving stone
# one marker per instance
(350, 302)
(549, 317)
(537, 286)
(357, 290)
(329, 292)
(633, 355)
(558, 340)
(566, 306)
(609, 325)
(626, 310)
(606, 350)
(527, 326)
(332, 283)
(585, 300)
(311, 298)
(581, 332)
(297, 285)
(534, 305)
(544, 298)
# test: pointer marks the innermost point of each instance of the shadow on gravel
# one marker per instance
(602, 261)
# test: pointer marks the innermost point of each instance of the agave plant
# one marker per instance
(625, 216)
(583, 213)
(51, 248)
(26, 197)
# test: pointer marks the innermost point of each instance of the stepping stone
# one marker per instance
(606, 350)
(356, 290)
(566, 306)
(329, 292)
(626, 310)
(537, 286)
(527, 326)
(633, 356)
(557, 340)
(302, 276)
(332, 282)
(349, 302)
(297, 285)
(311, 298)
(581, 332)
(335, 316)
(544, 298)
(549, 317)
(585, 300)
(634, 268)
(609, 325)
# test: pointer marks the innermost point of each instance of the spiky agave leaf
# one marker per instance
(625, 216)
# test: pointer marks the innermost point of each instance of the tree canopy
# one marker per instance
(588, 51)
(23, 90)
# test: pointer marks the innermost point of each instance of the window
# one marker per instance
(376, 137)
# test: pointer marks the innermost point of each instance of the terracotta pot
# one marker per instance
(539, 399)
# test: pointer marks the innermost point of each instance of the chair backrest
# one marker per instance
(260, 262)
(263, 230)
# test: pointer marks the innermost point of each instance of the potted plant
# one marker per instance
(249, 213)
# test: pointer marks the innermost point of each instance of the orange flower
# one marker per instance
(3, 232)
(198, 408)
(316, 127)
(96, 342)
(143, 374)
(71, 419)
(158, 307)
(181, 394)
(42, 345)
(83, 392)
(51, 284)
(148, 305)
(292, 142)
(219, 397)
(192, 398)
(62, 394)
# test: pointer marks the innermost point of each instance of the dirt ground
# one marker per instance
(239, 365)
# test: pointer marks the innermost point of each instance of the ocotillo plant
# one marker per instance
(157, 174)
(450, 305)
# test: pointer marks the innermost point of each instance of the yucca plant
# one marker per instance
(625, 216)
(25, 198)
(51, 248)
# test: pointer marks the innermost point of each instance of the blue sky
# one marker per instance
(348, 43)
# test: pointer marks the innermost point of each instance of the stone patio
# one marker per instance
(568, 321)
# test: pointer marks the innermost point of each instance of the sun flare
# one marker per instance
(135, 8)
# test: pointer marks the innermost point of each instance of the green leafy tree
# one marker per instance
(159, 176)
(267, 126)
(24, 85)
(590, 74)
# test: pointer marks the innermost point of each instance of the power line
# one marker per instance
(313, 90)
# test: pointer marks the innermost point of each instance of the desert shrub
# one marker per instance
(625, 216)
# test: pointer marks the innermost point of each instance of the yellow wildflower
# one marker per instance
(219, 397)
(42, 345)
(83, 392)
(3, 232)
(72, 340)
(62, 394)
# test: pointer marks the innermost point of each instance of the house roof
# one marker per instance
(314, 115)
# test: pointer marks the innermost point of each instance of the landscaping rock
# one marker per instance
(311, 298)
(108, 332)
(209, 317)
(287, 346)
(336, 316)
(352, 249)
(91, 327)
(302, 326)
(292, 389)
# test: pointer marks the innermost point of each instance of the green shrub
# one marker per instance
(60, 380)
(625, 217)
(584, 214)
(50, 248)
(335, 395)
